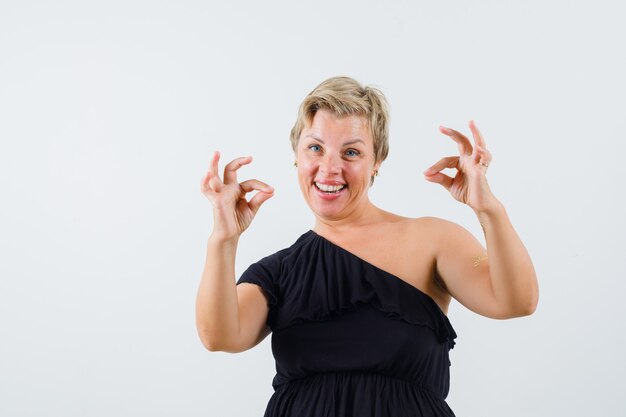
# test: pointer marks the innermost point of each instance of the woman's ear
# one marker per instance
(374, 173)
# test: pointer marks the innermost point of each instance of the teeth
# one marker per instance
(329, 188)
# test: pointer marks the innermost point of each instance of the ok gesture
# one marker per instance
(232, 213)
(469, 185)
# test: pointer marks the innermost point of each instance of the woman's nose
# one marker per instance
(330, 164)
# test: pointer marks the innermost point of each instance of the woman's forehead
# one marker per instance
(326, 126)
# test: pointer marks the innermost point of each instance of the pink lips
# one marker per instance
(325, 195)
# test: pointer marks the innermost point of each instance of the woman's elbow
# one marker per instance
(211, 345)
(531, 307)
(212, 342)
(526, 308)
(208, 342)
(533, 300)
(527, 300)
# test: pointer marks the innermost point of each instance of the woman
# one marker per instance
(358, 305)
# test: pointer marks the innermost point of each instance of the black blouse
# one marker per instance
(350, 339)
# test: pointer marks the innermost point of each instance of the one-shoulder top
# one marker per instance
(350, 339)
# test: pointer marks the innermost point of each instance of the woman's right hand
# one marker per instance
(232, 213)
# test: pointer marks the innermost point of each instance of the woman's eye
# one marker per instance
(315, 148)
(352, 152)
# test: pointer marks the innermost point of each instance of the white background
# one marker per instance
(109, 113)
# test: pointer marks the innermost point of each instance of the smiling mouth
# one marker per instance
(329, 189)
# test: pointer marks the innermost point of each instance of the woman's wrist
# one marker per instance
(491, 211)
(222, 238)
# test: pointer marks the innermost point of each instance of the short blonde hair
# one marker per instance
(343, 96)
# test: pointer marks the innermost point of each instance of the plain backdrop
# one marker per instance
(110, 111)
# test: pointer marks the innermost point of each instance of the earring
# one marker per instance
(376, 173)
(295, 164)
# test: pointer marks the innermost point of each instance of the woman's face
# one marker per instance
(335, 165)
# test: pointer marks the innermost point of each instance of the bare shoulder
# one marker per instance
(421, 231)
(431, 222)
(438, 230)
(441, 238)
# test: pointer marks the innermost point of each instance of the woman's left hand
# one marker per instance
(469, 185)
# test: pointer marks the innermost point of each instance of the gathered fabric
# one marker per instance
(349, 338)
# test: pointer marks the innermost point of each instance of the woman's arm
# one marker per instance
(228, 317)
(499, 282)
(512, 274)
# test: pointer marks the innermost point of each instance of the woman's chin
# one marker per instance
(326, 209)
(326, 205)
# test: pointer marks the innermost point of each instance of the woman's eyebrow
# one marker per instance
(314, 137)
(353, 141)
(350, 142)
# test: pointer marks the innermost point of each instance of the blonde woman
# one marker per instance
(357, 306)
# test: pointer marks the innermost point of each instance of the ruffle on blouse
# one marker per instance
(291, 278)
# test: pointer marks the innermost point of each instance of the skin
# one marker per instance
(335, 152)
(436, 256)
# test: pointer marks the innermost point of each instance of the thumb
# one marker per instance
(439, 178)
(259, 198)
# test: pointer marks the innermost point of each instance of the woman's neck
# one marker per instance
(367, 216)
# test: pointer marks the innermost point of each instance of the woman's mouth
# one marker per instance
(329, 189)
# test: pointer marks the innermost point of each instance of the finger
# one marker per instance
(213, 168)
(465, 146)
(204, 182)
(482, 156)
(211, 179)
(230, 171)
(258, 199)
(215, 182)
(251, 185)
(443, 163)
(440, 178)
(479, 140)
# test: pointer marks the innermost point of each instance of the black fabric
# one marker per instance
(350, 339)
